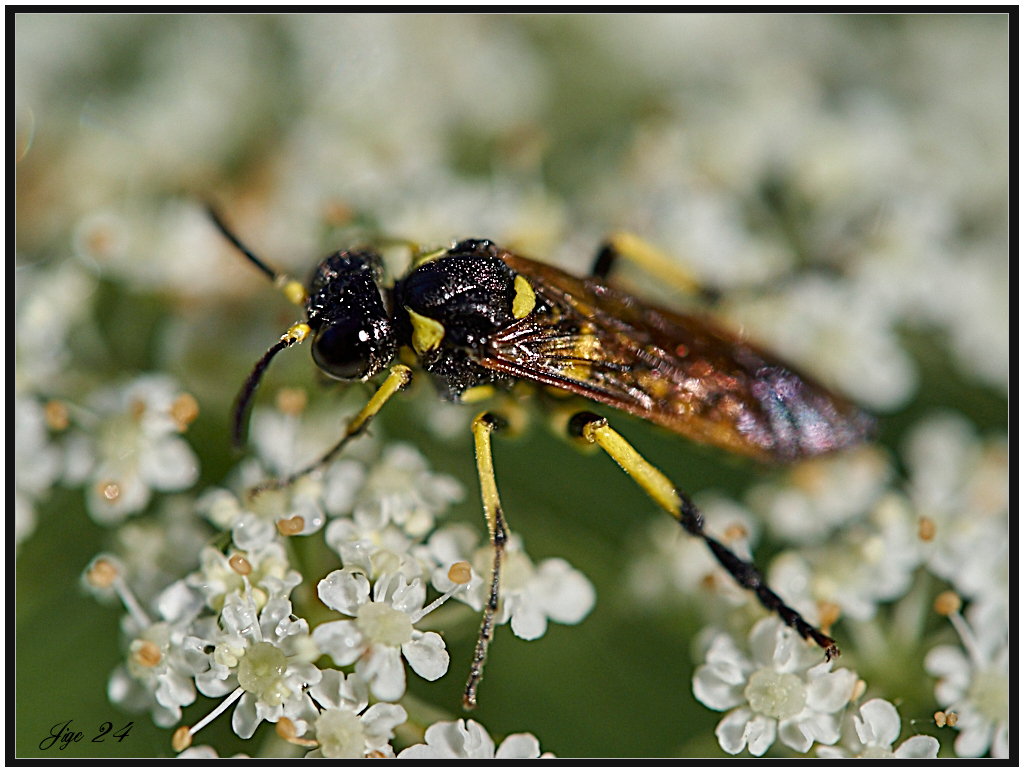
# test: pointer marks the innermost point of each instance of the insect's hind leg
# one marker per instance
(483, 425)
(594, 428)
(397, 380)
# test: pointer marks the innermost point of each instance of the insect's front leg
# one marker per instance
(594, 428)
(398, 379)
(483, 425)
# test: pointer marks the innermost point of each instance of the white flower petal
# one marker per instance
(759, 734)
(169, 464)
(879, 724)
(528, 622)
(732, 730)
(337, 691)
(519, 746)
(306, 507)
(973, 740)
(800, 732)
(565, 594)
(427, 656)
(245, 720)
(828, 692)
(1001, 742)
(380, 720)
(342, 640)
(796, 735)
(716, 687)
(459, 740)
(384, 672)
(342, 482)
(920, 746)
(409, 598)
(344, 591)
(948, 662)
(212, 686)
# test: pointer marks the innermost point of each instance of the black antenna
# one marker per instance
(270, 272)
(296, 293)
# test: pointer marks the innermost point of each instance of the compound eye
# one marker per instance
(351, 350)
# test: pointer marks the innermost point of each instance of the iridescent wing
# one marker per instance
(680, 371)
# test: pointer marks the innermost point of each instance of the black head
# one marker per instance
(353, 338)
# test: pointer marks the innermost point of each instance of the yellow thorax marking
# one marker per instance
(524, 300)
(427, 333)
(426, 257)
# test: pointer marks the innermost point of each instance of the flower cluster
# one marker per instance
(229, 629)
(835, 187)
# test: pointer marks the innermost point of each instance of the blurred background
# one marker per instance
(839, 182)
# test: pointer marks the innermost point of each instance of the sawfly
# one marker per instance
(478, 316)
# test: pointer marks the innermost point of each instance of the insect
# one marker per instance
(476, 315)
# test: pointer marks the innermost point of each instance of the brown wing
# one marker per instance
(682, 372)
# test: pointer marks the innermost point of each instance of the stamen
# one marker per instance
(970, 644)
(184, 410)
(292, 526)
(240, 565)
(285, 729)
(227, 703)
(947, 603)
(460, 573)
(109, 490)
(147, 654)
(181, 739)
(56, 414)
(104, 574)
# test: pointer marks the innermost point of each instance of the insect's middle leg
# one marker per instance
(483, 425)
(594, 428)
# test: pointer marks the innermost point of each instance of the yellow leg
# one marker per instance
(594, 428)
(648, 257)
(398, 379)
(483, 425)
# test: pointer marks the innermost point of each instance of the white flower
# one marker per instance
(376, 547)
(530, 595)
(960, 488)
(260, 516)
(346, 728)
(270, 575)
(138, 449)
(380, 631)
(875, 727)
(821, 495)
(976, 686)
(469, 740)
(163, 657)
(867, 564)
(783, 690)
(264, 664)
(37, 462)
(400, 489)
